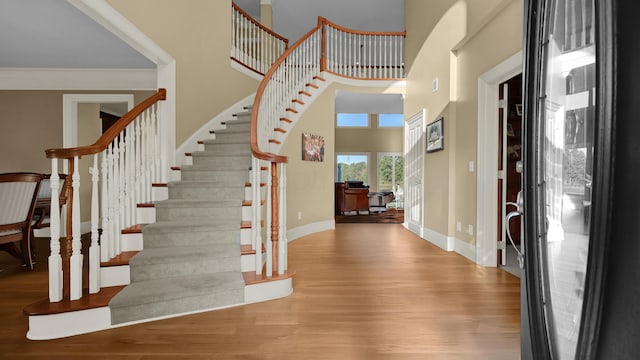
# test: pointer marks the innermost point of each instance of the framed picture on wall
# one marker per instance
(312, 147)
(435, 135)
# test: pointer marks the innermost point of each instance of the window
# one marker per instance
(390, 171)
(353, 120)
(390, 120)
(352, 167)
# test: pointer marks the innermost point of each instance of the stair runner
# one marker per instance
(191, 256)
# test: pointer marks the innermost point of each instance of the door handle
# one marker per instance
(510, 216)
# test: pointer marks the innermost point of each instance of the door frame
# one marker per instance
(487, 158)
(417, 229)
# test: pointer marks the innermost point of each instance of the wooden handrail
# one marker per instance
(360, 32)
(255, 149)
(108, 136)
(258, 24)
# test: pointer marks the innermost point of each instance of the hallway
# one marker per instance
(363, 291)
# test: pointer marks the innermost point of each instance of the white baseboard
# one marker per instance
(465, 249)
(450, 243)
(442, 241)
(304, 230)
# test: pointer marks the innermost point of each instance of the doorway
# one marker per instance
(413, 172)
(509, 175)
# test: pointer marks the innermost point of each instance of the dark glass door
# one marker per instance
(559, 171)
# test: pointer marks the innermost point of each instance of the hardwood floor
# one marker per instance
(363, 291)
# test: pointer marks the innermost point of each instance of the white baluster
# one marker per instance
(55, 259)
(282, 231)
(268, 245)
(111, 186)
(138, 161)
(127, 178)
(256, 224)
(104, 241)
(94, 248)
(115, 197)
(76, 244)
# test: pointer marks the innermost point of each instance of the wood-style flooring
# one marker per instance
(362, 291)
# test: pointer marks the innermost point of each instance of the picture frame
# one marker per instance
(312, 147)
(519, 109)
(435, 135)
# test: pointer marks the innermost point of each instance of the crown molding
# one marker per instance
(77, 79)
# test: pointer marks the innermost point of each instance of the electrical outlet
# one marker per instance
(458, 226)
(299, 215)
(434, 85)
(470, 229)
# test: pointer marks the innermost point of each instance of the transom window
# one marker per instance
(390, 120)
(352, 120)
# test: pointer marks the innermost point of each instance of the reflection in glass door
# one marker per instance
(564, 169)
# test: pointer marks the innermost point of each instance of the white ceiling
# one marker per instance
(54, 34)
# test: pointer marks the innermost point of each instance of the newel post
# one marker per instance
(274, 216)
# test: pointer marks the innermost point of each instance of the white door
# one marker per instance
(414, 164)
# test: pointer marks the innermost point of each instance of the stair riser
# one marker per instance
(234, 177)
(232, 135)
(205, 213)
(238, 126)
(206, 193)
(228, 148)
(166, 270)
(158, 240)
(171, 307)
(231, 162)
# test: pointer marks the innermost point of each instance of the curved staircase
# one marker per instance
(188, 258)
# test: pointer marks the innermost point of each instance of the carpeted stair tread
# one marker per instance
(196, 203)
(178, 254)
(159, 290)
(178, 226)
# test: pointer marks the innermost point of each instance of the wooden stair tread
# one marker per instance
(286, 120)
(175, 168)
(135, 229)
(302, 92)
(119, 260)
(297, 101)
(249, 202)
(250, 277)
(274, 141)
(88, 301)
(247, 250)
(280, 130)
(248, 184)
(319, 78)
(312, 85)
(146, 205)
(291, 110)
(159, 185)
(246, 224)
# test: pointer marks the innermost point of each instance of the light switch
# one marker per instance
(472, 166)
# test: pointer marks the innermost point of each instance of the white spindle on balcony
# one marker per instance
(254, 45)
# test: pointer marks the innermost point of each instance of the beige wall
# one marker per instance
(31, 122)
(494, 43)
(310, 187)
(372, 140)
(197, 33)
(471, 37)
